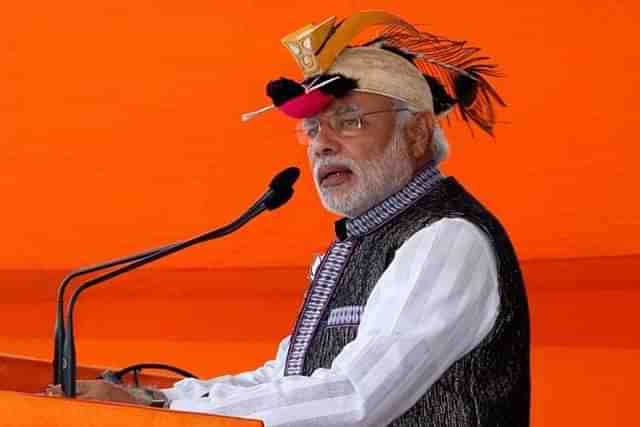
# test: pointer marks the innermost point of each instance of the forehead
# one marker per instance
(358, 101)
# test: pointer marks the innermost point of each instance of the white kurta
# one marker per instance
(436, 301)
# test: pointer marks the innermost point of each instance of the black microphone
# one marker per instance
(282, 182)
(279, 192)
(280, 189)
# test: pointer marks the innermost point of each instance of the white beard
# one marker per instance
(374, 180)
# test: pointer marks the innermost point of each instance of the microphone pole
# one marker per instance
(59, 334)
(279, 193)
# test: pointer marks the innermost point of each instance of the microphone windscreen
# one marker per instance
(285, 179)
(278, 198)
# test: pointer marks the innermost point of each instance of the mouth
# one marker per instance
(332, 176)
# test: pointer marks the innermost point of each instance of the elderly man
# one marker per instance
(416, 315)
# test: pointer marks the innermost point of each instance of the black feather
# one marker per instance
(441, 99)
(283, 89)
(450, 67)
(406, 55)
(465, 89)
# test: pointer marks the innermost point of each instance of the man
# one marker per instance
(416, 315)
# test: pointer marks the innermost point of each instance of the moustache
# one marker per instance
(333, 162)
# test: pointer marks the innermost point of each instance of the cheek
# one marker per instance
(369, 149)
(376, 145)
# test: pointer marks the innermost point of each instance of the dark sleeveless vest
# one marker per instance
(490, 385)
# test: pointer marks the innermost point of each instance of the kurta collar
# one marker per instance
(391, 207)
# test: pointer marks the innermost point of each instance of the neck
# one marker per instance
(393, 205)
(423, 167)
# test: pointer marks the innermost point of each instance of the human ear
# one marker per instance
(419, 134)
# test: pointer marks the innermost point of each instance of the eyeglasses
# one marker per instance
(344, 125)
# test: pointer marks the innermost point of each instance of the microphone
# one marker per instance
(280, 189)
(279, 192)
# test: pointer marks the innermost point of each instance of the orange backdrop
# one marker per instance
(120, 127)
(120, 130)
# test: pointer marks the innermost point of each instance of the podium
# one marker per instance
(21, 378)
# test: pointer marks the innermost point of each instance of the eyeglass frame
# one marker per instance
(305, 139)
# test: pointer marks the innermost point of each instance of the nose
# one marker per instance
(325, 144)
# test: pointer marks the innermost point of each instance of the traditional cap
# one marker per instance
(402, 63)
(385, 73)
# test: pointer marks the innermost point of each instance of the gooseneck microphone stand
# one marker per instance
(59, 334)
(280, 191)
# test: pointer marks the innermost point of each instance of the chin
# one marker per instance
(345, 205)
